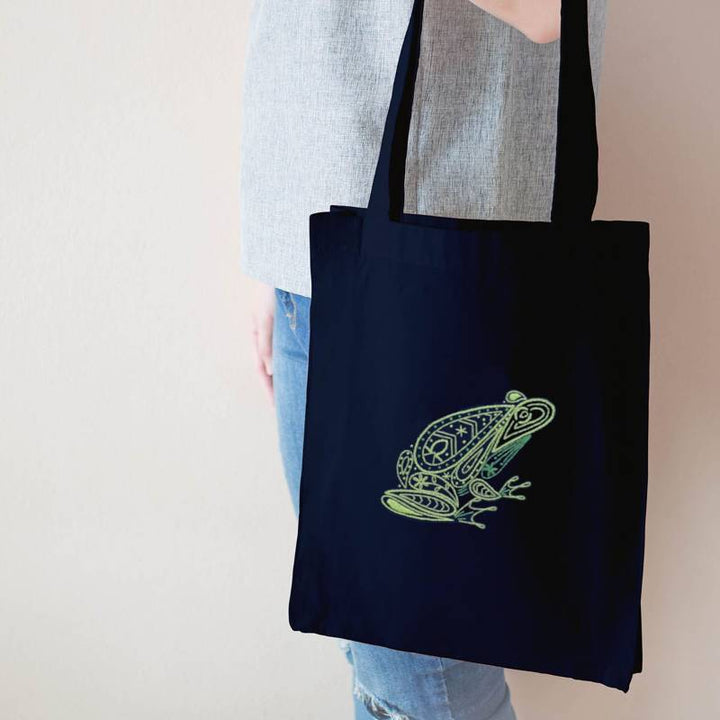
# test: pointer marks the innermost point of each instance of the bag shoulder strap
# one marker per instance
(576, 159)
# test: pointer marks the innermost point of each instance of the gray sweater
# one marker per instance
(317, 84)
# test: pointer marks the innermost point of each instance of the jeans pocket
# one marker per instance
(289, 306)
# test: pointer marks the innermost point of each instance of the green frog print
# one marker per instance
(445, 474)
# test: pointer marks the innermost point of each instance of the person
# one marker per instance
(317, 85)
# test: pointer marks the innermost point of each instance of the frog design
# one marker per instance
(444, 475)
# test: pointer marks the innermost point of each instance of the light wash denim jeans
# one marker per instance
(387, 683)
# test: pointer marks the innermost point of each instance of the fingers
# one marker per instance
(263, 313)
(264, 346)
(263, 349)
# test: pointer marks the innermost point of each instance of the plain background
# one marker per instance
(145, 531)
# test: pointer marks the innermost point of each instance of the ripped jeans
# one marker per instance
(387, 683)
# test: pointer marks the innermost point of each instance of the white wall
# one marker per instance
(145, 533)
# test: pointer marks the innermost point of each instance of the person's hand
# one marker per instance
(262, 307)
(538, 20)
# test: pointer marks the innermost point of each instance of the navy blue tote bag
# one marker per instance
(475, 455)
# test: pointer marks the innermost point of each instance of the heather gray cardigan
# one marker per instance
(317, 84)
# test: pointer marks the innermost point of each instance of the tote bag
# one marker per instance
(475, 454)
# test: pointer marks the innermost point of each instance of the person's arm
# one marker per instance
(539, 20)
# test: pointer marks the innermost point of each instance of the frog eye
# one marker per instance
(532, 415)
(513, 396)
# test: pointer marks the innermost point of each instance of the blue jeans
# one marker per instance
(387, 683)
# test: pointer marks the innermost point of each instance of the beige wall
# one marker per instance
(145, 534)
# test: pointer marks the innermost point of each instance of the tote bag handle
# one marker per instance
(576, 160)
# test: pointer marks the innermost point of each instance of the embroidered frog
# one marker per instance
(444, 475)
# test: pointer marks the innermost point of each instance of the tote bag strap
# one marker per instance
(576, 159)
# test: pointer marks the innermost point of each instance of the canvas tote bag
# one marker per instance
(475, 454)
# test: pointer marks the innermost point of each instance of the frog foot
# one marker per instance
(509, 489)
(470, 514)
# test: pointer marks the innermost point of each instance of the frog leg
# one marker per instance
(482, 491)
(510, 487)
(470, 513)
(424, 498)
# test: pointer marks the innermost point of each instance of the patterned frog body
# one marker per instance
(444, 475)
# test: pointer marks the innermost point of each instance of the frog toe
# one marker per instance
(510, 488)
(471, 516)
